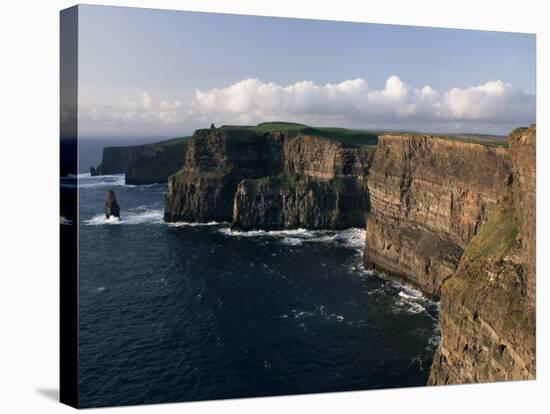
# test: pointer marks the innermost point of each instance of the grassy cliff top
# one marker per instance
(167, 142)
(347, 137)
(155, 145)
(360, 137)
(486, 140)
(494, 141)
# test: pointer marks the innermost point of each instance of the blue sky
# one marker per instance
(153, 72)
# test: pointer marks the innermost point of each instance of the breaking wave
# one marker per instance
(413, 301)
(85, 180)
(194, 224)
(142, 216)
(352, 238)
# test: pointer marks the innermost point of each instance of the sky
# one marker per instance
(145, 72)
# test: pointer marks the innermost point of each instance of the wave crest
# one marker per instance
(194, 224)
(352, 237)
(147, 216)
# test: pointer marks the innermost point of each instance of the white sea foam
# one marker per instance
(297, 233)
(352, 238)
(415, 308)
(408, 306)
(115, 180)
(100, 219)
(143, 216)
(411, 294)
(193, 224)
(411, 300)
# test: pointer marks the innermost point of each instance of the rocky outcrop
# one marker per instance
(428, 197)
(143, 164)
(112, 209)
(269, 181)
(322, 186)
(216, 161)
(288, 201)
(487, 314)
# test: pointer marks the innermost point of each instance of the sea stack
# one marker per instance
(112, 209)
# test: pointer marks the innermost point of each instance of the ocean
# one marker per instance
(186, 312)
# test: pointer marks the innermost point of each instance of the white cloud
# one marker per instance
(491, 101)
(353, 100)
(495, 105)
(126, 112)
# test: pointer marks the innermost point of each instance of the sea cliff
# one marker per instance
(143, 164)
(429, 196)
(487, 315)
(269, 181)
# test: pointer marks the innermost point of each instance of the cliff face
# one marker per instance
(524, 159)
(156, 166)
(321, 159)
(143, 164)
(115, 160)
(216, 160)
(429, 197)
(269, 181)
(487, 315)
(287, 201)
(322, 185)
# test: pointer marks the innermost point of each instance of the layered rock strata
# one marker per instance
(428, 197)
(286, 201)
(487, 315)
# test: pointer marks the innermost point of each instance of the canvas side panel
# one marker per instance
(69, 207)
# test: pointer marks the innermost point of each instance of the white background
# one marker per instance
(29, 101)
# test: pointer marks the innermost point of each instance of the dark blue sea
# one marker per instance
(196, 312)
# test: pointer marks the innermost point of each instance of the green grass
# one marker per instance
(169, 142)
(346, 137)
(357, 137)
(495, 143)
(278, 126)
(518, 131)
(496, 237)
(159, 145)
